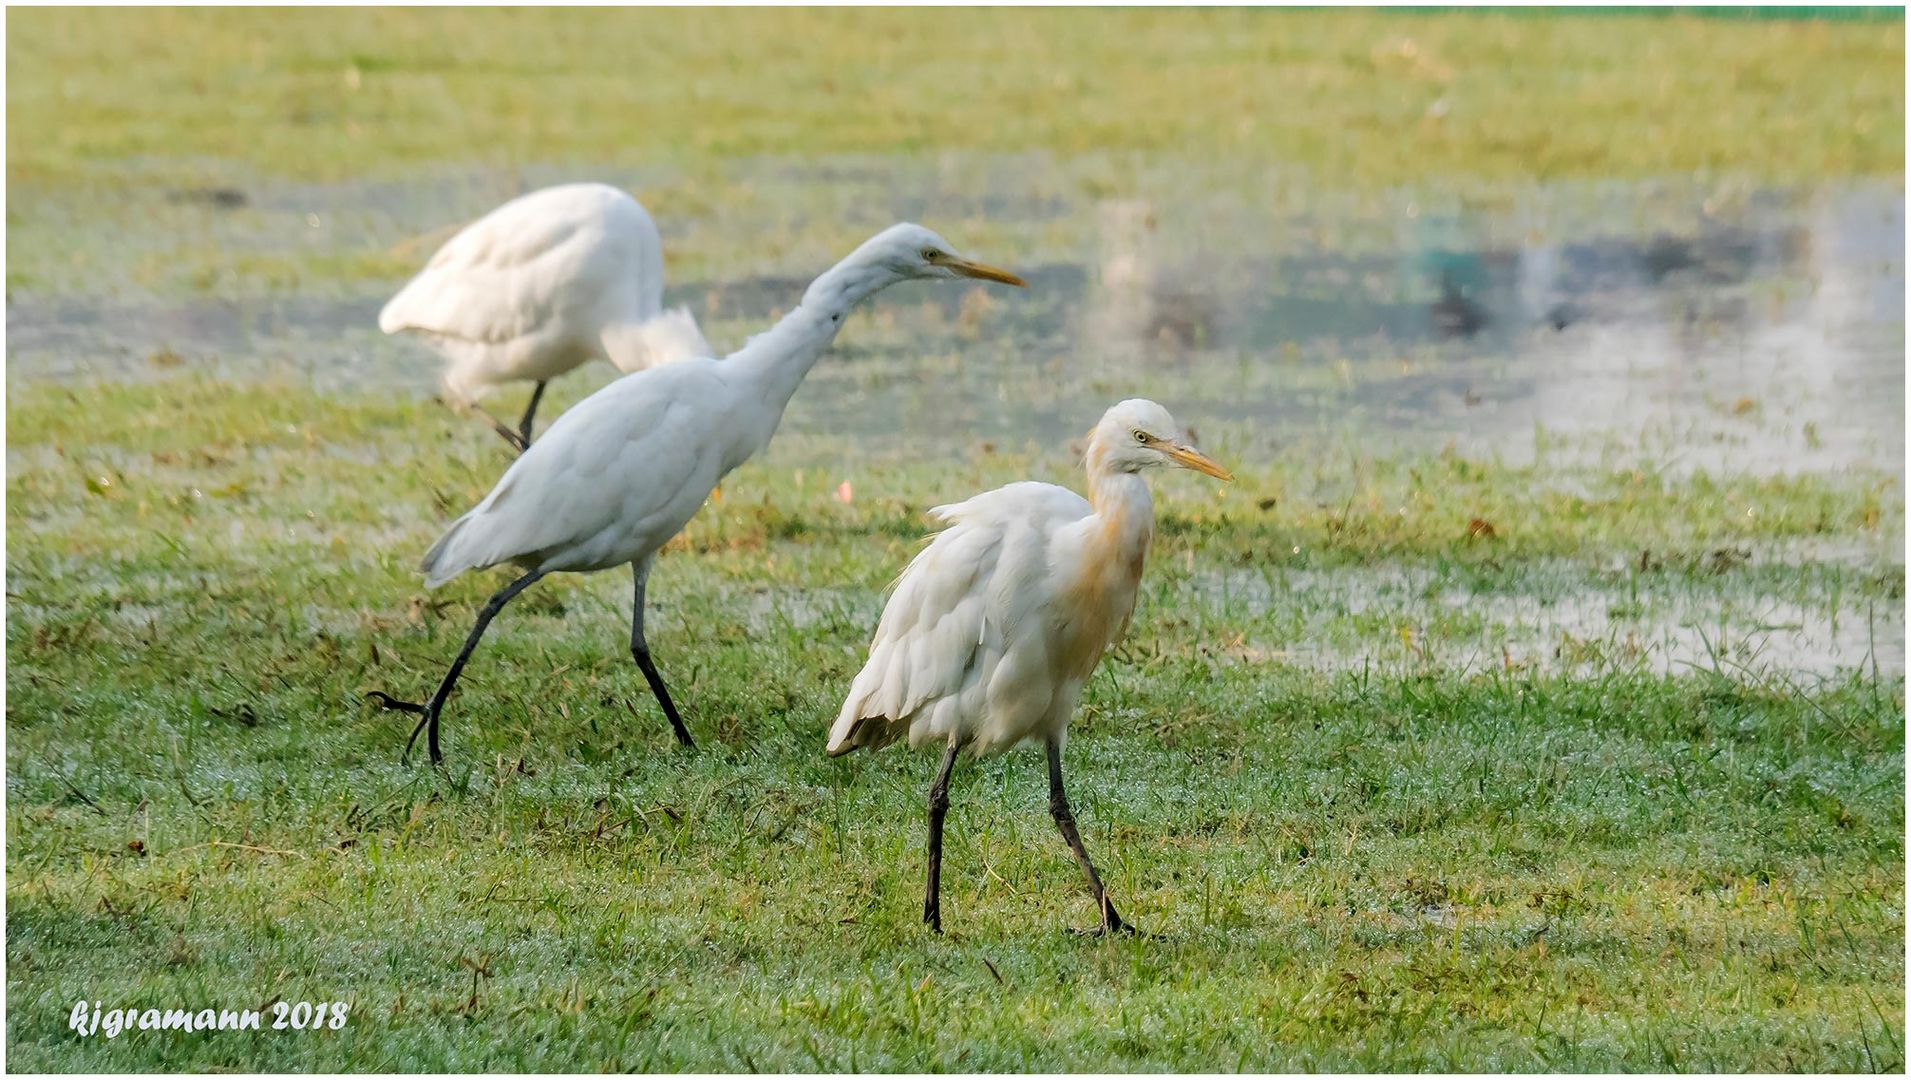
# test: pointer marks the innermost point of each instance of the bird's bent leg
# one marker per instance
(517, 441)
(938, 806)
(1065, 821)
(524, 425)
(641, 653)
(428, 714)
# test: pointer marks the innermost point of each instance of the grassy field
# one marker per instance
(1402, 862)
(1349, 95)
(1413, 759)
(118, 119)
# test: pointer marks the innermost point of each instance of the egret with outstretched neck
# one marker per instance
(538, 286)
(625, 469)
(995, 626)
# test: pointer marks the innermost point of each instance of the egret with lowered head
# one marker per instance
(996, 625)
(538, 286)
(624, 470)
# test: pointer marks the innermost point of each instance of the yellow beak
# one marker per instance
(1189, 458)
(980, 270)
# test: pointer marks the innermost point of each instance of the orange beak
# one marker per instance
(983, 271)
(1189, 458)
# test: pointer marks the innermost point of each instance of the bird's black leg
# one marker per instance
(504, 432)
(461, 405)
(428, 714)
(524, 425)
(641, 653)
(1065, 820)
(938, 806)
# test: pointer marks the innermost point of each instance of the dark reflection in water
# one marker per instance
(1766, 334)
(1768, 343)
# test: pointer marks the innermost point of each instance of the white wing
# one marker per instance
(575, 252)
(612, 480)
(960, 640)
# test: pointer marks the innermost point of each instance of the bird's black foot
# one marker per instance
(1112, 924)
(386, 701)
(1112, 929)
(518, 439)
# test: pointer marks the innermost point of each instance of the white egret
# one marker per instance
(996, 625)
(538, 286)
(624, 470)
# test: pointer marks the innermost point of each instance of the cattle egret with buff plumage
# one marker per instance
(994, 627)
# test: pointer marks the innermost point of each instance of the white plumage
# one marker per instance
(613, 479)
(540, 285)
(994, 627)
(625, 469)
(969, 623)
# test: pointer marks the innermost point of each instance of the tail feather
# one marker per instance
(666, 338)
(863, 722)
(392, 317)
(440, 564)
(842, 734)
(874, 732)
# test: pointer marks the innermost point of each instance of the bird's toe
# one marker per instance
(386, 701)
(1113, 929)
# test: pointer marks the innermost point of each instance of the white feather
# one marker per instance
(993, 628)
(542, 284)
(626, 468)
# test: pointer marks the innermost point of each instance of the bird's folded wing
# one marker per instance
(945, 622)
(1039, 505)
(497, 280)
(604, 471)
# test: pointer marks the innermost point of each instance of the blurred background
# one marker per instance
(1660, 240)
(1667, 234)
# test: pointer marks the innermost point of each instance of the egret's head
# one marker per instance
(911, 251)
(1138, 434)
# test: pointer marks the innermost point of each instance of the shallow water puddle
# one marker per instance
(1718, 328)
(1393, 615)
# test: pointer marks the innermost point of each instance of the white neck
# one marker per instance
(1125, 506)
(771, 365)
(1125, 498)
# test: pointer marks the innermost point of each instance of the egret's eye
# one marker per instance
(1143, 437)
(929, 254)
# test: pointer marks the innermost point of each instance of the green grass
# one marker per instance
(355, 135)
(1434, 856)
(1343, 94)
(1617, 786)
